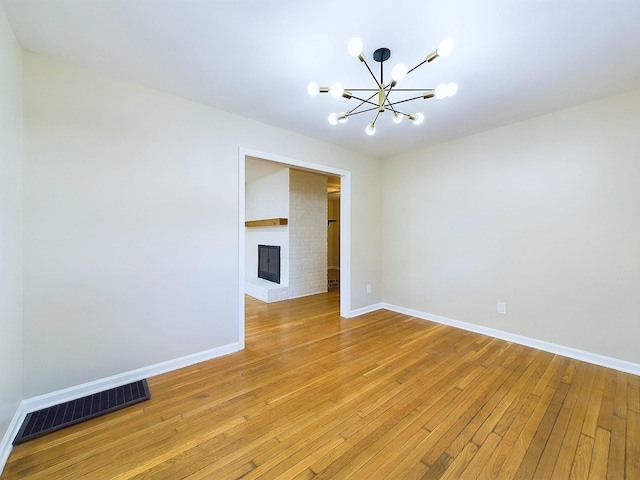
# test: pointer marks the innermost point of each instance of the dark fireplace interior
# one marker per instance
(269, 263)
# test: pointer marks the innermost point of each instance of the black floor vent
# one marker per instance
(69, 413)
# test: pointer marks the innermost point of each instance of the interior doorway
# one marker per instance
(333, 233)
(344, 177)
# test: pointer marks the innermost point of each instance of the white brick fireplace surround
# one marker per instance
(301, 197)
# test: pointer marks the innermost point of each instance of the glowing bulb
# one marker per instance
(417, 118)
(336, 90)
(399, 72)
(452, 88)
(441, 91)
(446, 47)
(355, 47)
(343, 117)
(397, 118)
(313, 89)
(371, 129)
(333, 119)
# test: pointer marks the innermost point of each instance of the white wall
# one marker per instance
(11, 165)
(543, 215)
(129, 196)
(307, 233)
(267, 197)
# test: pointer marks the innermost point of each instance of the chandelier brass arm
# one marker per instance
(382, 91)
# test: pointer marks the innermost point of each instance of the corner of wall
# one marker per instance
(11, 243)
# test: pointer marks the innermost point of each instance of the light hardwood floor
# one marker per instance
(382, 395)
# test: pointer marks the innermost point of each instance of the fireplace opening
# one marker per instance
(269, 263)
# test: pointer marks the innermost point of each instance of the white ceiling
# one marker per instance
(514, 59)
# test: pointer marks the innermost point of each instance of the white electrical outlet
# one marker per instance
(502, 308)
(369, 288)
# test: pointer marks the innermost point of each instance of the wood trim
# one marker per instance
(267, 222)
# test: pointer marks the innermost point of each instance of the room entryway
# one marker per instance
(333, 234)
(338, 191)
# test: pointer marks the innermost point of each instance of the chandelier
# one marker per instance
(383, 103)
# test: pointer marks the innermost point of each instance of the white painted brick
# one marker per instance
(307, 233)
(303, 242)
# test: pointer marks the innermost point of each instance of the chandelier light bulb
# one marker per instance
(313, 89)
(446, 47)
(399, 72)
(371, 129)
(442, 91)
(417, 118)
(336, 90)
(383, 91)
(355, 47)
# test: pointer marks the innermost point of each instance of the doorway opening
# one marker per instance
(333, 233)
(344, 225)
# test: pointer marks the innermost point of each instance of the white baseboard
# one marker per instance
(325, 290)
(60, 396)
(367, 309)
(10, 434)
(589, 357)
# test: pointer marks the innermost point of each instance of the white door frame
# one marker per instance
(345, 227)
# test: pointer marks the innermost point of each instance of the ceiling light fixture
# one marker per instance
(382, 91)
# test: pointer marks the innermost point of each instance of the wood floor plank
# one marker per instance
(600, 455)
(633, 401)
(582, 458)
(519, 378)
(572, 436)
(632, 464)
(617, 449)
(475, 467)
(620, 399)
(495, 391)
(386, 447)
(524, 440)
(382, 395)
(551, 453)
(457, 419)
(570, 371)
(436, 394)
(522, 389)
(531, 459)
(391, 454)
(373, 428)
(595, 401)
(605, 415)
(552, 376)
(460, 462)
(499, 456)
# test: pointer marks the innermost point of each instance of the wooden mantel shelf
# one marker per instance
(267, 222)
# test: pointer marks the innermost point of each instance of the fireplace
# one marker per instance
(269, 263)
